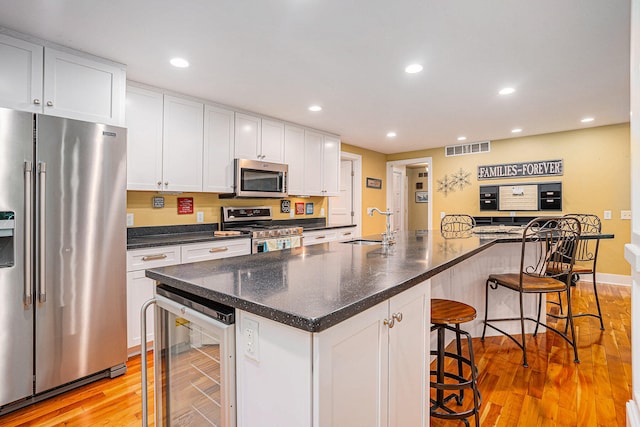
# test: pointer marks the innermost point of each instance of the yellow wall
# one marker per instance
(417, 213)
(596, 178)
(139, 203)
(373, 166)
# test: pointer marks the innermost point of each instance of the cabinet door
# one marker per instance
(272, 144)
(218, 150)
(182, 144)
(82, 88)
(408, 349)
(313, 165)
(351, 371)
(139, 290)
(248, 136)
(20, 74)
(331, 166)
(294, 157)
(144, 139)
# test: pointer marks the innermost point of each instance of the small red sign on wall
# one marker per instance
(299, 208)
(185, 205)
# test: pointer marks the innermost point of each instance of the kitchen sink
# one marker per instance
(364, 242)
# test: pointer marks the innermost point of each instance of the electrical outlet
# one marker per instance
(129, 220)
(625, 214)
(200, 216)
(442, 214)
(512, 214)
(370, 211)
(607, 214)
(251, 339)
(321, 211)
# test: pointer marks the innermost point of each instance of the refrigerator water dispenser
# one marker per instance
(7, 226)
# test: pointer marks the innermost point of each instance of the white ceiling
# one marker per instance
(566, 59)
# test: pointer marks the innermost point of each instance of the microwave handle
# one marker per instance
(143, 358)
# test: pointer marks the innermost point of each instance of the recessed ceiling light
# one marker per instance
(587, 119)
(413, 68)
(506, 91)
(315, 108)
(391, 134)
(462, 138)
(516, 130)
(179, 62)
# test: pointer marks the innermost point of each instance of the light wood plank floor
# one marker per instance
(553, 391)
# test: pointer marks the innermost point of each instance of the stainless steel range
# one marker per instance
(257, 221)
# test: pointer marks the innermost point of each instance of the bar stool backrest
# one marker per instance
(457, 222)
(587, 249)
(549, 247)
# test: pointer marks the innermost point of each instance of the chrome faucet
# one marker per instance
(387, 237)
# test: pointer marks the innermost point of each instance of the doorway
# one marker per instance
(409, 196)
(347, 207)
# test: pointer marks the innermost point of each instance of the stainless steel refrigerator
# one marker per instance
(62, 255)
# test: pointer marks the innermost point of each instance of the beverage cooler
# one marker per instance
(194, 353)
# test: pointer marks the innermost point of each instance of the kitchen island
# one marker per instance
(340, 332)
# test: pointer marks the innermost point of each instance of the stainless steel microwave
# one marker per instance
(255, 178)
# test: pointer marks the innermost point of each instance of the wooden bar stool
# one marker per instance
(445, 313)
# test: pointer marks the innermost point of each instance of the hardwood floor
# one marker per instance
(553, 391)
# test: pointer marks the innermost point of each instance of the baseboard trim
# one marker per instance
(633, 414)
(614, 279)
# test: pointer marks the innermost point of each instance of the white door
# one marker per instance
(398, 191)
(342, 206)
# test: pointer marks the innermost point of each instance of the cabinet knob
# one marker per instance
(389, 323)
(397, 316)
(36, 101)
(159, 183)
(166, 183)
(49, 104)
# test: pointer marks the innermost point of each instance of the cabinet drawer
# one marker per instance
(488, 204)
(345, 234)
(551, 204)
(215, 250)
(141, 259)
(317, 237)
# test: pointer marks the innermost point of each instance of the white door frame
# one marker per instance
(404, 163)
(356, 190)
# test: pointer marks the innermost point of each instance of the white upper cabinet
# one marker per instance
(294, 157)
(272, 144)
(313, 165)
(248, 134)
(218, 150)
(60, 83)
(144, 139)
(82, 88)
(331, 166)
(258, 139)
(182, 137)
(20, 74)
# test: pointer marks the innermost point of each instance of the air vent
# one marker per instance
(464, 149)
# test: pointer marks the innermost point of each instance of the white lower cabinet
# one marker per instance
(364, 371)
(140, 288)
(317, 237)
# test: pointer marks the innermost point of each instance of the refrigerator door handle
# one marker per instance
(28, 261)
(42, 293)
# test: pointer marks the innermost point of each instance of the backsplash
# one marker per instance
(140, 204)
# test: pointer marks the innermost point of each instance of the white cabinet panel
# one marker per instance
(331, 166)
(20, 74)
(182, 144)
(313, 165)
(248, 134)
(344, 234)
(317, 237)
(215, 250)
(141, 259)
(82, 88)
(294, 157)
(218, 150)
(144, 139)
(272, 142)
(139, 290)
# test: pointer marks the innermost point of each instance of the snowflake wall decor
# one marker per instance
(456, 181)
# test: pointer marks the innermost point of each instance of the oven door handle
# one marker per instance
(143, 358)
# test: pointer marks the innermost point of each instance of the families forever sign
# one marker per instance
(517, 170)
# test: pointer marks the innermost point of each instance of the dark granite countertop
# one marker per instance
(148, 237)
(315, 287)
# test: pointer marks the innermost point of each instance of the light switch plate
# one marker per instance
(251, 332)
(129, 220)
(624, 214)
(607, 214)
(199, 216)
